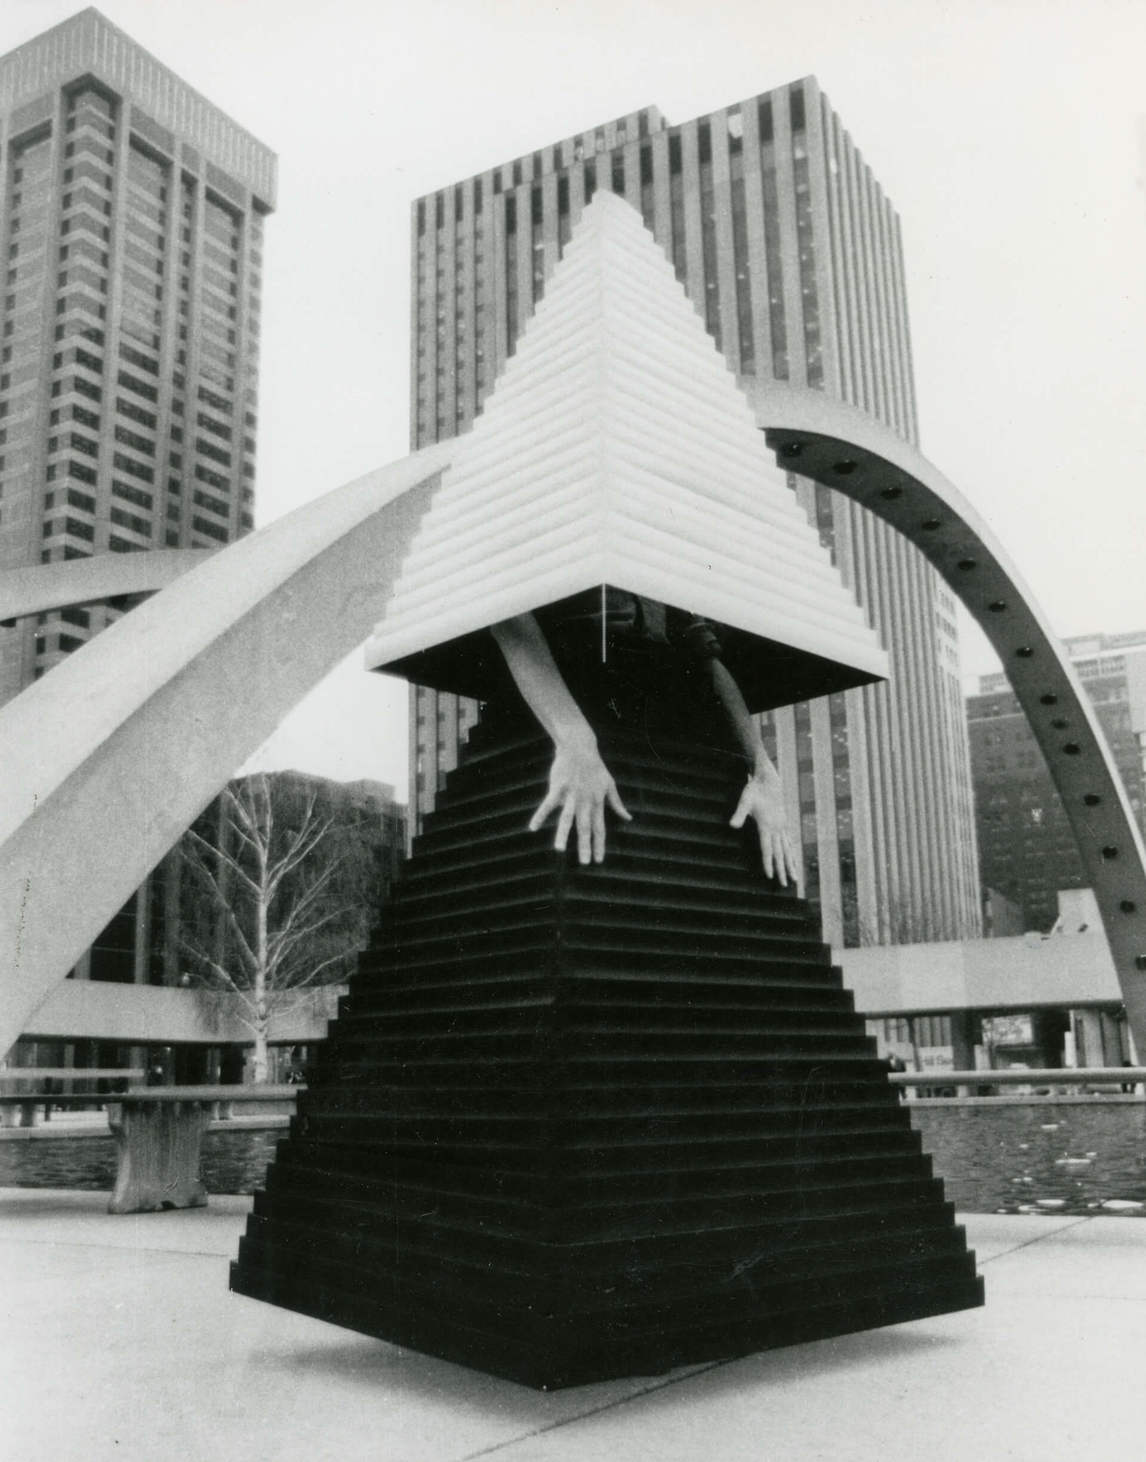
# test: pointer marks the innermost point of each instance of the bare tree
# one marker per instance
(280, 900)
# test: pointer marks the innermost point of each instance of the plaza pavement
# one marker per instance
(119, 1339)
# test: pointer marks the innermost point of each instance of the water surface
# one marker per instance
(1046, 1157)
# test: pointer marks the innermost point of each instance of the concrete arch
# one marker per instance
(231, 646)
(842, 448)
(82, 580)
(175, 696)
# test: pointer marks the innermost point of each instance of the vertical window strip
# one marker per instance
(805, 243)
(645, 164)
(676, 207)
(537, 241)
(740, 264)
(776, 313)
(509, 205)
(832, 175)
(712, 322)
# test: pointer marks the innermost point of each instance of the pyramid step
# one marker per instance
(686, 781)
(354, 1139)
(367, 1239)
(592, 990)
(538, 1358)
(657, 827)
(496, 1133)
(362, 1041)
(606, 988)
(508, 1281)
(340, 1171)
(454, 1220)
(482, 1090)
(522, 1202)
(703, 838)
(610, 1020)
(516, 926)
(632, 874)
(522, 942)
(584, 1070)
(658, 929)
(698, 844)
(773, 1238)
(644, 900)
(528, 951)
(687, 937)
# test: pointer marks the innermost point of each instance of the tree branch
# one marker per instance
(305, 842)
(205, 850)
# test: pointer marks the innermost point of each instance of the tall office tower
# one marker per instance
(791, 253)
(1028, 849)
(131, 235)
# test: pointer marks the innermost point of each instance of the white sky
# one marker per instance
(1006, 132)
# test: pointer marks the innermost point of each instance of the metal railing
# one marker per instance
(221, 1097)
(20, 1074)
(1021, 1076)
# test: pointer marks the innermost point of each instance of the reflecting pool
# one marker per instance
(1068, 1155)
(1064, 1156)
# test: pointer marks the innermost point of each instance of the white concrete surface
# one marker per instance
(175, 697)
(1020, 972)
(162, 1015)
(80, 580)
(119, 1339)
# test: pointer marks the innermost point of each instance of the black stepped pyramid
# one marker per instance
(573, 1124)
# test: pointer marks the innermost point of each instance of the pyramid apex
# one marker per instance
(608, 214)
(605, 203)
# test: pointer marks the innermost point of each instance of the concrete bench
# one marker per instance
(158, 1133)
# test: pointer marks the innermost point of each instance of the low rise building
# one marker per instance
(1026, 846)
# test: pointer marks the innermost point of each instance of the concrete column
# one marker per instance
(141, 953)
(1088, 1033)
(966, 1034)
(1111, 1039)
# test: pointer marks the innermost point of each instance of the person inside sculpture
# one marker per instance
(580, 784)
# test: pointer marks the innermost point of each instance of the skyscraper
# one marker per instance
(131, 232)
(131, 235)
(789, 250)
(1028, 849)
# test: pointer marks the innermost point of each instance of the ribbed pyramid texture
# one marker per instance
(616, 448)
(579, 1123)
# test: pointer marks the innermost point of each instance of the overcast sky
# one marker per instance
(1007, 133)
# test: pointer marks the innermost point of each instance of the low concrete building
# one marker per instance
(928, 1003)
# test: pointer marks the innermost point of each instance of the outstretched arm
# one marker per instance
(579, 782)
(763, 797)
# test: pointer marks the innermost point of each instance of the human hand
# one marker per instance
(763, 800)
(580, 784)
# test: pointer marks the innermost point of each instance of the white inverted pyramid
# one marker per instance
(616, 448)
